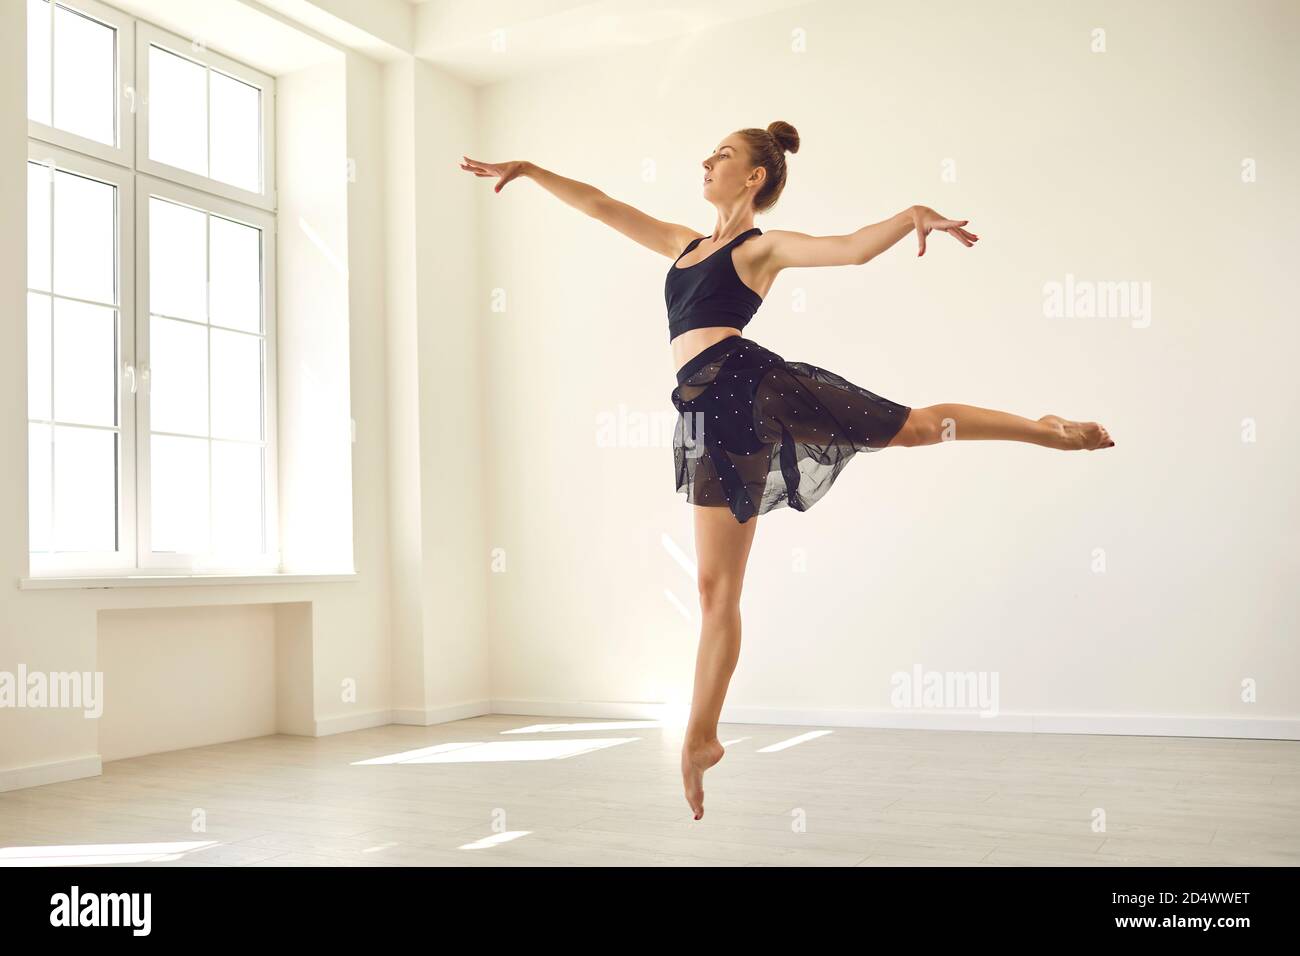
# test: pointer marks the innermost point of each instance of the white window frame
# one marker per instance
(136, 177)
(126, 555)
(147, 35)
(148, 186)
(123, 154)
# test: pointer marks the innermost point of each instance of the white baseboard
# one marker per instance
(441, 715)
(346, 723)
(1151, 725)
(1140, 725)
(36, 775)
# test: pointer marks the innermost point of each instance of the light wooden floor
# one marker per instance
(847, 798)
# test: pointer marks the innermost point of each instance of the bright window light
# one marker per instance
(203, 121)
(85, 489)
(73, 344)
(85, 230)
(85, 76)
(235, 125)
(207, 383)
(150, 308)
(85, 363)
(180, 494)
(236, 292)
(71, 72)
(178, 111)
(178, 278)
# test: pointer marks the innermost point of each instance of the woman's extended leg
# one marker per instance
(951, 422)
(722, 549)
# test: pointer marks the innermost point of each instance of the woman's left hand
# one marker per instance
(925, 219)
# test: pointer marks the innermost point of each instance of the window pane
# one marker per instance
(38, 356)
(85, 363)
(178, 377)
(236, 385)
(38, 61)
(177, 261)
(85, 244)
(178, 114)
(85, 489)
(38, 226)
(39, 476)
(235, 131)
(236, 300)
(179, 480)
(85, 76)
(236, 499)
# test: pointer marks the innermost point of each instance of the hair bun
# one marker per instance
(786, 136)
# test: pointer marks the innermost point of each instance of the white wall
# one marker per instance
(185, 677)
(402, 387)
(437, 439)
(1122, 166)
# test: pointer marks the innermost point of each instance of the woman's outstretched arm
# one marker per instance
(791, 249)
(666, 238)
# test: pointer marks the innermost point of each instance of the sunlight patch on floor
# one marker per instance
(497, 751)
(793, 741)
(97, 853)
(593, 725)
(495, 839)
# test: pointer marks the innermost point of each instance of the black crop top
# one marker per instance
(709, 292)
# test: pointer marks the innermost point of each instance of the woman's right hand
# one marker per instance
(503, 171)
(925, 219)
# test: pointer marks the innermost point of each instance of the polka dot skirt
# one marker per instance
(755, 432)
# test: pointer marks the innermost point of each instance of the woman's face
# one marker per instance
(725, 172)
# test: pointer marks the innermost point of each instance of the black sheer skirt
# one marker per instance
(755, 432)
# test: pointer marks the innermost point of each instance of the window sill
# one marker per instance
(55, 582)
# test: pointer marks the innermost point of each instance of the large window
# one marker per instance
(150, 306)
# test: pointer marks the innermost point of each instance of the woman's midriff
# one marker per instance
(694, 341)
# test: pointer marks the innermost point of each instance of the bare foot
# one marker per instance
(1072, 436)
(697, 758)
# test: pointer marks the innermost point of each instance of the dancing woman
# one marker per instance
(756, 432)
